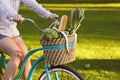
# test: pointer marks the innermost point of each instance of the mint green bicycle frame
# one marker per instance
(34, 65)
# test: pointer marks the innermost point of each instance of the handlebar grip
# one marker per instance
(11, 19)
(56, 18)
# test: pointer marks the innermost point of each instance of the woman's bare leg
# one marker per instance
(17, 50)
(8, 46)
(24, 50)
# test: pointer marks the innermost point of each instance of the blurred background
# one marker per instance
(98, 44)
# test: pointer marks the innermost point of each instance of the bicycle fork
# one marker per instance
(48, 73)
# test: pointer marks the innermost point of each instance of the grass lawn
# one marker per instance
(98, 43)
(78, 1)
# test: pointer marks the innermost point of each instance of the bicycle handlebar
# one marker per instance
(55, 23)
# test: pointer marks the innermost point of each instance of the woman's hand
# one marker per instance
(53, 16)
(18, 18)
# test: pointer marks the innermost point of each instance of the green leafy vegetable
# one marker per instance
(49, 34)
(77, 16)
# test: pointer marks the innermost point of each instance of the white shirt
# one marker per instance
(8, 8)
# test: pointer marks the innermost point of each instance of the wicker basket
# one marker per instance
(55, 51)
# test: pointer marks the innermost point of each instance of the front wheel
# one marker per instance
(63, 72)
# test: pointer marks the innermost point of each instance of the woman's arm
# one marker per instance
(33, 5)
(6, 9)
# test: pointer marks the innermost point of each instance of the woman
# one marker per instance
(10, 41)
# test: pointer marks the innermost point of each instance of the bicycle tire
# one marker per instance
(69, 72)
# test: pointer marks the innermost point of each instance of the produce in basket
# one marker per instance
(77, 15)
(49, 34)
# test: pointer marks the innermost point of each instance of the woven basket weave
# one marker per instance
(55, 51)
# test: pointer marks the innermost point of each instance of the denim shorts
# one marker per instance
(2, 36)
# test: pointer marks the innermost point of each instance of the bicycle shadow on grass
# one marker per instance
(96, 64)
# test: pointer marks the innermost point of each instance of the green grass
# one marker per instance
(78, 1)
(98, 43)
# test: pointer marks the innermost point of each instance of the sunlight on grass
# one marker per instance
(107, 6)
(83, 5)
(103, 49)
(66, 7)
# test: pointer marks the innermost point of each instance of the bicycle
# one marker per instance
(52, 72)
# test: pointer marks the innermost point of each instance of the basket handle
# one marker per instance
(66, 39)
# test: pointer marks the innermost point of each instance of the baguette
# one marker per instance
(63, 23)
